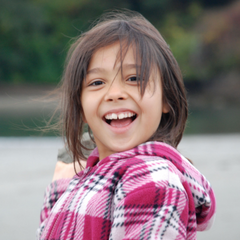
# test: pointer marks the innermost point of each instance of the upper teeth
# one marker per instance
(111, 116)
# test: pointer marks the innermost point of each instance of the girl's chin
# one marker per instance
(109, 150)
(122, 147)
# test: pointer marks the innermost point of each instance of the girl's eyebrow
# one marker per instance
(126, 66)
(95, 70)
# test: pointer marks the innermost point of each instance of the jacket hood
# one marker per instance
(196, 185)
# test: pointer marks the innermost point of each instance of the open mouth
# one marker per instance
(119, 120)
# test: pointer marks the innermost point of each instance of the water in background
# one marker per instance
(24, 110)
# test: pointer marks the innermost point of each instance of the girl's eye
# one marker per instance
(132, 79)
(96, 83)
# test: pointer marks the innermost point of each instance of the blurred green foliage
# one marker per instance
(35, 35)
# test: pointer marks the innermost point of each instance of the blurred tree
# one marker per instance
(35, 34)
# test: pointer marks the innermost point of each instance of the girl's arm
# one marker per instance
(63, 174)
(52, 193)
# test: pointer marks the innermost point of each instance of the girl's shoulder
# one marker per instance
(151, 169)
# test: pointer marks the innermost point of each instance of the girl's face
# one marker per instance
(118, 116)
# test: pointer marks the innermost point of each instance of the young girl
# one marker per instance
(122, 80)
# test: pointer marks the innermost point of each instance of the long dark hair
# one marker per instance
(151, 51)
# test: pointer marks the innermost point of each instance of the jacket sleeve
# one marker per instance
(152, 211)
(52, 193)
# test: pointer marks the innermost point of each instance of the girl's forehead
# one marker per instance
(114, 54)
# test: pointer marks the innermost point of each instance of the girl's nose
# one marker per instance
(116, 91)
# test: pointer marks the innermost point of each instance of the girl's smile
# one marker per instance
(119, 121)
(119, 117)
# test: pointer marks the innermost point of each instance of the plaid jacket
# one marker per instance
(149, 192)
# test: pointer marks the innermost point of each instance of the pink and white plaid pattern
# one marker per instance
(149, 192)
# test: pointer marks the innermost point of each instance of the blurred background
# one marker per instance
(204, 36)
(35, 35)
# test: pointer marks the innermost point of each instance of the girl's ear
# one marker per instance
(165, 108)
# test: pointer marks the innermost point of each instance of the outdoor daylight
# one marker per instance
(52, 97)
